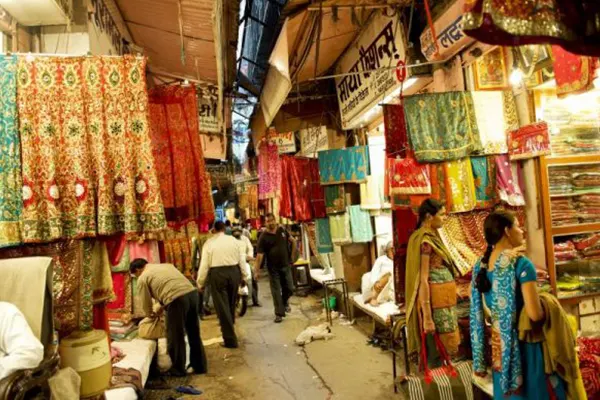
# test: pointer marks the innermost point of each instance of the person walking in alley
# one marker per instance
(275, 246)
(178, 297)
(249, 250)
(223, 260)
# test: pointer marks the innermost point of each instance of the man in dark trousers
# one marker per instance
(276, 247)
(223, 260)
(178, 297)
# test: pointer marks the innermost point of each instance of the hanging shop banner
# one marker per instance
(208, 109)
(218, 172)
(286, 142)
(380, 46)
(214, 146)
(313, 140)
(450, 36)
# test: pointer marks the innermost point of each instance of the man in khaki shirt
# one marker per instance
(178, 297)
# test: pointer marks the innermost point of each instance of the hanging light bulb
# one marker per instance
(516, 77)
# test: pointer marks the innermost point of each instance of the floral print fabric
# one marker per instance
(573, 73)
(484, 175)
(269, 171)
(442, 126)
(86, 154)
(185, 185)
(11, 202)
(344, 165)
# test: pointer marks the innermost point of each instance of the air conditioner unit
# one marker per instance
(39, 12)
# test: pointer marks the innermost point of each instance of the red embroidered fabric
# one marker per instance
(396, 136)
(407, 176)
(573, 73)
(301, 189)
(185, 185)
(269, 171)
(317, 192)
(529, 141)
(285, 198)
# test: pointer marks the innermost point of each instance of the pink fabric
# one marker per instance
(269, 171)
(147, 250)
(285, 204)
(508, 182)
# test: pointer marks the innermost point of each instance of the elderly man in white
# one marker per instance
(378, 285)
(19, 348)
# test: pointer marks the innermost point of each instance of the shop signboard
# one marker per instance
(450, 36)
(218, 172)
(208, 106)
(379, 48)
(313, 140)
(286, 142)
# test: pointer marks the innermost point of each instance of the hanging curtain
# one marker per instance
(442, 126)
(86, 154)
(269, 171)
(570, 24)
(11, 201)
(185, 185)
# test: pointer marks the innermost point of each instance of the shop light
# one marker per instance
(516, 77)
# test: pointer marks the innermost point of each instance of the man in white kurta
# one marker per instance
(377, 285)
(19, 348)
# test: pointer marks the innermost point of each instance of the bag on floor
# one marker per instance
(152, 328)
(448, 382)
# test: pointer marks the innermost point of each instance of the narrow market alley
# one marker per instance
(268, 365)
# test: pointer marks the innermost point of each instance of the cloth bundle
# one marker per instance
(529, 141)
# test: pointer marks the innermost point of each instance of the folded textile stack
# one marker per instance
(565, 251)
(122, 329)
(569, 283)
(589, 207)
(560, 181)
(563, 211)
(589, 365)
(586, 180)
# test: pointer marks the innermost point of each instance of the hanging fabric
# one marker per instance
(253, 200)
(494, 126)
(360, 225)
(11, 200)
(371, 193)
(335, 199)
(285, 194)
(185, 185)
(269, 171)
(484, 175)
(102, 284)
(573, 73)
(396, 136)
(438, 190)
(317, 192)
(529, 141)
(324, 242)
(507, 181)
(72, 283)
(407, 176)
(344, 165)
(340, 229)
(572, 25)
(86, 150)
(404, 223)
(301, 189)
(442, 126)
(460, 186)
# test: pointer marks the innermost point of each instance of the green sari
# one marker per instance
(413, 277)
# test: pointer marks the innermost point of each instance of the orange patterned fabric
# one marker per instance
(86, 155)
(184, 183)
(573, 73)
